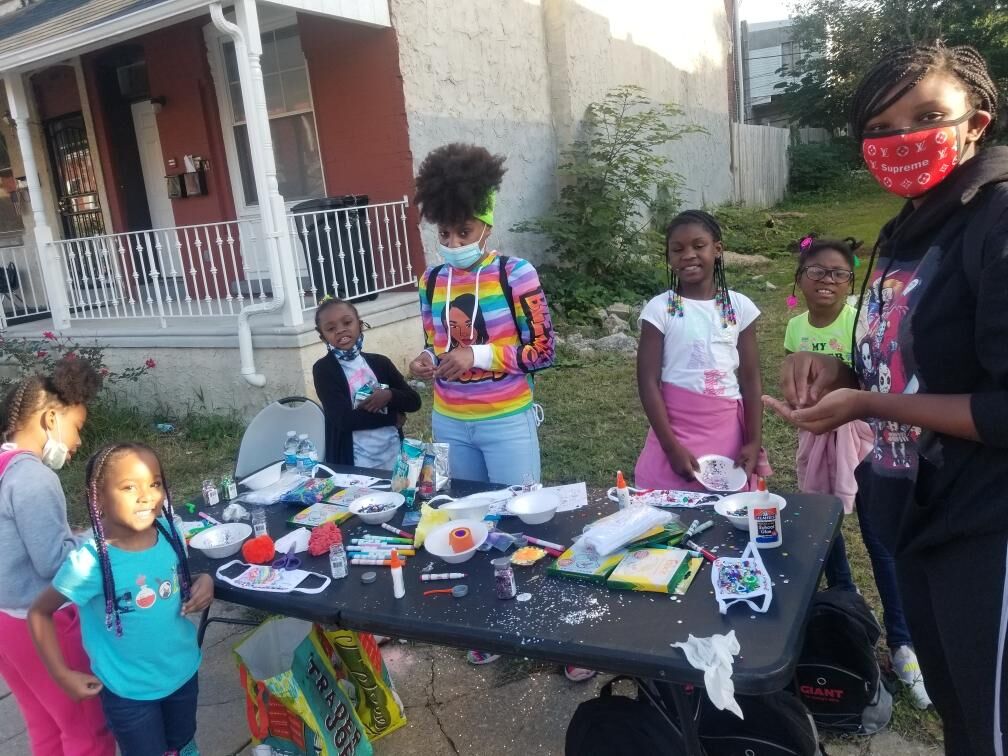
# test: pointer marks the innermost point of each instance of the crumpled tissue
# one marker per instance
(298, 537)
(713, 656)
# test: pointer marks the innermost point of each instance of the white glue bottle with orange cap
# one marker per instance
(398, 588)
(764, 519)
(622, 492)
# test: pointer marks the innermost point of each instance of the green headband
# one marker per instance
(487, 215)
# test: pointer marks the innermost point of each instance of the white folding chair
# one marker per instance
(262, 444)
(264, 437)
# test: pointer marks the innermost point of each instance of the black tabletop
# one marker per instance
(573, 622)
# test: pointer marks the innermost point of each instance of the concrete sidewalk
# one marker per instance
(510, 708)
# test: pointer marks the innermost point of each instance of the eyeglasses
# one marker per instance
(836, 275)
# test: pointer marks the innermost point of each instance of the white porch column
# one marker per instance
(51, 265)
(271, 203)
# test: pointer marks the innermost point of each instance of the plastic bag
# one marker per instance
(620, 528)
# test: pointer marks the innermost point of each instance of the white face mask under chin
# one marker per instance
(55, 452)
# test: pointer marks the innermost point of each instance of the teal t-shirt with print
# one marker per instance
(157, 652)
(833, 340)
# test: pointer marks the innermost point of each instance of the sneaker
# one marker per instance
(908, 671)
(481, 657)
(578, 674)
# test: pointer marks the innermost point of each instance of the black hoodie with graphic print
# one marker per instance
(935, 320)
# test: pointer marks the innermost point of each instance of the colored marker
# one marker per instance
(443, 576)
(706, 526)
(383, 539)
(703, 552)
(378, 545)
(209, 519)
(373, 562)
(545, 544)
(379, 553)
(398, 532)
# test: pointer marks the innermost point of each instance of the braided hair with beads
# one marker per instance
(904, 68)
(97, 466)
(721, 295)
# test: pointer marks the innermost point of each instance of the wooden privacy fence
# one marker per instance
(761, 164)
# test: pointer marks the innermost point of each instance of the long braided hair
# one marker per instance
(721, 296)
(908, 66)
(97, 466)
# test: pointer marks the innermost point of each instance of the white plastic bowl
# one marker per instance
(473, 507)
(719, 474)
(436, 541)
(265, 477)
(741, 501)
(534, 507)
(391, 500)
(221, 540)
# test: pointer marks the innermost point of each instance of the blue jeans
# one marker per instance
(837, 567)
(503, 451)
(884, 568)
(152, 728)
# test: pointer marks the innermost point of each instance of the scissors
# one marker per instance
(288, 561)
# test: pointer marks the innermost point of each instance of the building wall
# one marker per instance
(476, 72)
(55, 91)
(360, 113)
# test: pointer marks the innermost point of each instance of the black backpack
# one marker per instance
(777, 724)
(838, 675)
(613, 725)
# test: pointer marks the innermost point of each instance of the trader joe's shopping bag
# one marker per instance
(296, 701)
(356, 656)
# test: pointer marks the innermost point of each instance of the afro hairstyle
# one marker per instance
(455, 182)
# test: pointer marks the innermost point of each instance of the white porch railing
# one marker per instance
(351, 252)
(22, 293)
(216, 269)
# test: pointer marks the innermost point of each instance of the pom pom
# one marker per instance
(792, 302)
(259, 550)
(322, 537)
(806, 242)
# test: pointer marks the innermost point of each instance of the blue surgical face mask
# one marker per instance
(348, 354)
(465, 257)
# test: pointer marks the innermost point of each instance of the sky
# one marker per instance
(755, 11)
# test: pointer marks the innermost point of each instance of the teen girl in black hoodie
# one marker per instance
(931, 374)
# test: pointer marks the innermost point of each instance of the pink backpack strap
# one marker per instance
(6, 457)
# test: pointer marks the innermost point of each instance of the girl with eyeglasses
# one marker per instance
(826, 462)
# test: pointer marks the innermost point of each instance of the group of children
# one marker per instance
(77, 616)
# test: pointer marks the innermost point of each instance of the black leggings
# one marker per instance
(955, 598)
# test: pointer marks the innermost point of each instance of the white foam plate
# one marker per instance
(719, 474)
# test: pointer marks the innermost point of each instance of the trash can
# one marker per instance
(350, 277)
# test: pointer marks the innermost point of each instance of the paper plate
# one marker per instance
(720, 475)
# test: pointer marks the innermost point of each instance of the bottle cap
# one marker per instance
(761, 485)
(396, 562)
(369, 577)
(620, 481)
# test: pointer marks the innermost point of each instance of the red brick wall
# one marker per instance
(360, 113)
(56, 92)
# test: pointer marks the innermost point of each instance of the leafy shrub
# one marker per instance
(822, 167)
(39, 355)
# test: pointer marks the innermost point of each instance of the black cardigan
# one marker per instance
(341, 420)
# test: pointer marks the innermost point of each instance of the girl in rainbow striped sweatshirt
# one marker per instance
(486, 324)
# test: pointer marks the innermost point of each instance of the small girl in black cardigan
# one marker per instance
(368, 434)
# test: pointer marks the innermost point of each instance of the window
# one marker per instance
(292, 120)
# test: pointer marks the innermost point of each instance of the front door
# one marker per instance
(152, 165)
(73, 173)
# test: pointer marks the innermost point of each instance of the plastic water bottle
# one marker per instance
(290, 450)
(307, 455)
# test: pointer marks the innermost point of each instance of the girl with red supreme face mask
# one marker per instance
(930, 373)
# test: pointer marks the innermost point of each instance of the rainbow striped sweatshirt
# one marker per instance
(510, 340)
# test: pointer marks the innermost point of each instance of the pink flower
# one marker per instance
(48, 335)
(41, 353)
(70, 356)
(150, 364)
(104, 372)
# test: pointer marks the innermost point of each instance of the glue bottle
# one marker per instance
(398, 589)
(622, 492)
(764, 519)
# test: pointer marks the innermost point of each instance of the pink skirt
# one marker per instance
(704, 425)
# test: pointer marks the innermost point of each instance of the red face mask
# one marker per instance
(910, 162)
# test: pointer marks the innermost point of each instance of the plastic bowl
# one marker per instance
(391, 502)
(437, 545)
(265, 477)
(742, 501)
(221, 540)
(719, 474)
(534, 507)
(473, 507)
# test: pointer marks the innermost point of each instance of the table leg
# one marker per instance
(684, 713)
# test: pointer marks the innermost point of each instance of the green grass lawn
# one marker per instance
(594, 422)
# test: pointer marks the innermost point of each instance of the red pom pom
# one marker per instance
(322, 537)
(259, 550)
